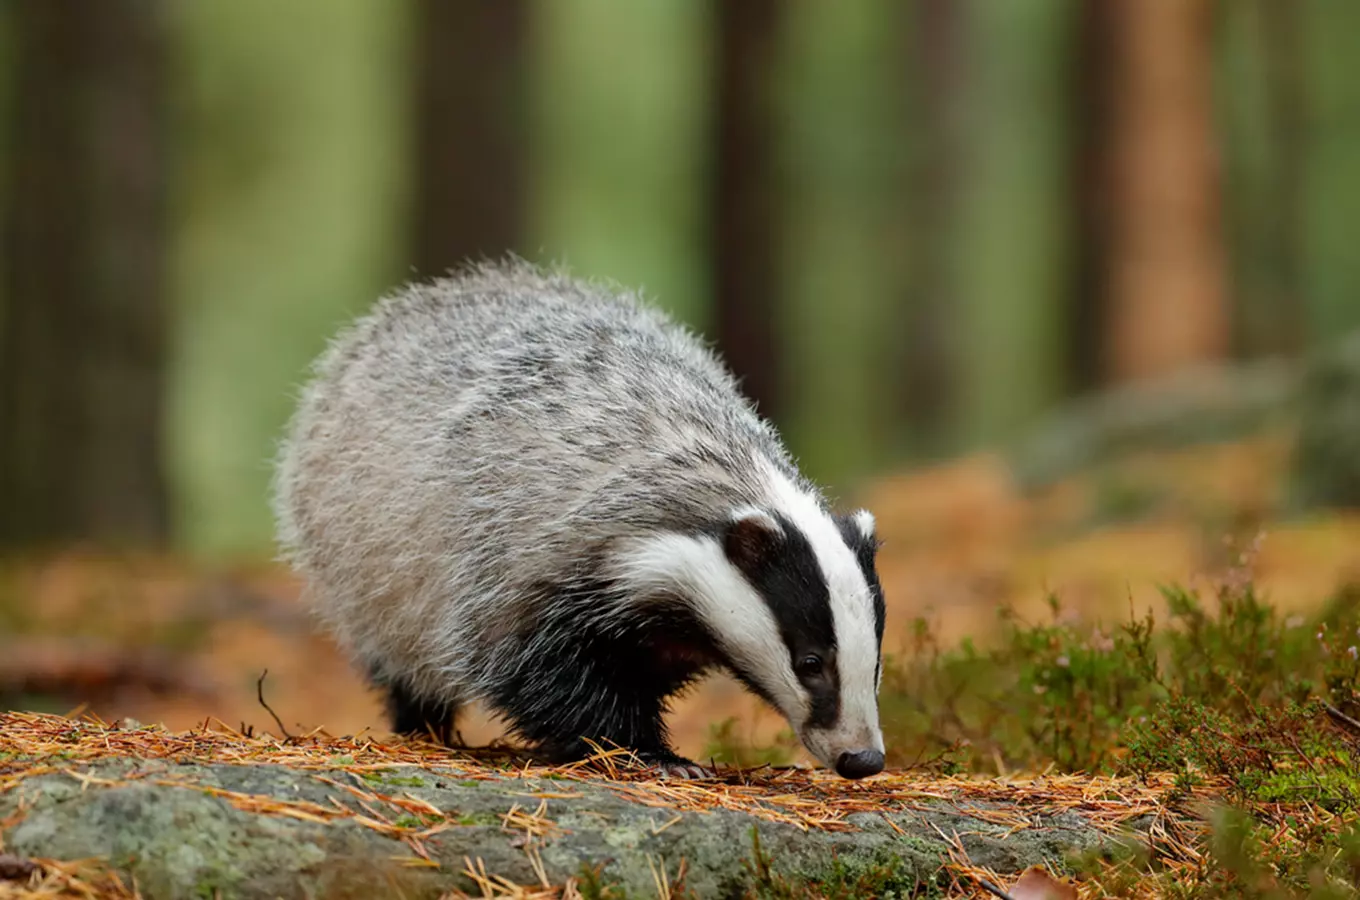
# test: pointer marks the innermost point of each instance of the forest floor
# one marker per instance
(996, 600)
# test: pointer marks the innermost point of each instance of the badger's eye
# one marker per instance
(810, 665)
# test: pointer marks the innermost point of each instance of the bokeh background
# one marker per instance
(1062, 289)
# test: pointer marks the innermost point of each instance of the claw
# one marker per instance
(685, 771)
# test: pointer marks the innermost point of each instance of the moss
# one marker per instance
(593, 886)
(1329, 788)
(212, 886)
(885, 877)
(882, 875)
(173, 842)
(381, 777)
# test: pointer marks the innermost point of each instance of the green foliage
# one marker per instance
(1246, 856)
(1206, 691)
(886, 880)
(1054, 692)
(382, 777)
(1230, 694)
(592, 886)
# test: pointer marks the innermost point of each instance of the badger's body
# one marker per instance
(511, 487)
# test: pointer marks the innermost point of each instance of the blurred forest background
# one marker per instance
(912, 226)
(916, 228)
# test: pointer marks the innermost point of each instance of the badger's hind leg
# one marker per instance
(414, 715)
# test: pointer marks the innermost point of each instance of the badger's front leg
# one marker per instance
(609, 692)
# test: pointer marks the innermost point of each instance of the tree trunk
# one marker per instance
(1272, 320)
(470, 135)
(83, 324)
(1091, 80)
(1167, 296)
(937, 69)
(744, 214)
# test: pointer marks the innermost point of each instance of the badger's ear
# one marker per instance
(752, 539)
(865, 525)
(860, 531)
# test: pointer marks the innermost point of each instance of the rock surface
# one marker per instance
(1315, 400)
(1208, 404)
(195, 829)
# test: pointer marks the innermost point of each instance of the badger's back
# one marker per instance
(479, 441)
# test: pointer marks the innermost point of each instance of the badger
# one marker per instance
(513, 487)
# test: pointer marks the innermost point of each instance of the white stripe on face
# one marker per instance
(697, 569)
(853, 617)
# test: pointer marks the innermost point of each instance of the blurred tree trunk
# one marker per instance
(1093, 44)
(1150, 189)
(83, 323)
(1271, 289)
(470, 140)
(936, 57)
(743, 207)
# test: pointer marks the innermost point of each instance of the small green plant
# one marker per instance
(382, 777)
(887, 880)
(1229, 693)
(592, 886)
(1241, 689)
(1246, 856)
(1056, 692)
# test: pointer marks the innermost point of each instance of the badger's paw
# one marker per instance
(677, 767)
(686, 771)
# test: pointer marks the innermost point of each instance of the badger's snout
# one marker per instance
(860, 764)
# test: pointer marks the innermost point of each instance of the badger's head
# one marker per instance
(791, 599)
(812, 648)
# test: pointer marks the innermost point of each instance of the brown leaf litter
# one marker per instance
(38, 744)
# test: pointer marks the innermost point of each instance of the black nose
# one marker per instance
(859, 765)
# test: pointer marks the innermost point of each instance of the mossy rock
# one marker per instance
(1203, 405)
(174, 829)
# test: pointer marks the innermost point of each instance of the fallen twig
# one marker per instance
(1341, 718)
(259, 692)
(992, 889)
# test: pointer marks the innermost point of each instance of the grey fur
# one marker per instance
(518, 488)
(478, 437)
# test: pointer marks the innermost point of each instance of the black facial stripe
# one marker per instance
(865, 550)
(790, 582)
(824, 711)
